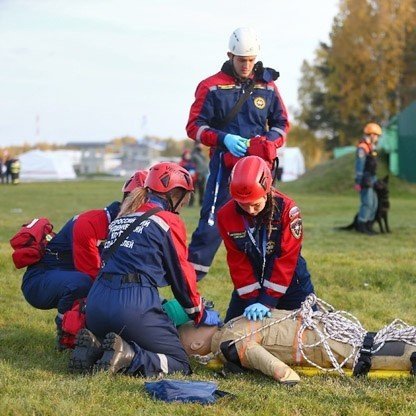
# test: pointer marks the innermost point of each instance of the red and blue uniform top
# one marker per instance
(156, 250)
(263, 113)
(77, 245)
(262, 264)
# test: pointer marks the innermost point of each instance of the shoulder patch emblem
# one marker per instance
(260, 102)
(294, 212)
(296, 228)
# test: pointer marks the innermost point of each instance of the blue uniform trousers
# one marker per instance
(206, 238)
(55, 288)
(134, 311)
(369, 203)
(297, 292)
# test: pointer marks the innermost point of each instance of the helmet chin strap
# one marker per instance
(172, 206)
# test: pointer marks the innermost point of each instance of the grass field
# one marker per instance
(374, 278)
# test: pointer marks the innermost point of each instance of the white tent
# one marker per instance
(41, 165)
(292, 161)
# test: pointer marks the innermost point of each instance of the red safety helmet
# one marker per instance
(136, 181)
(165, 176)
(251, 179)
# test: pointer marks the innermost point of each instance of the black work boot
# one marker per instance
(87, 351)
(361, 227)
(118, 354)
(64, 340)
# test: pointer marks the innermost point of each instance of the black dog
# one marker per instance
(382, 190)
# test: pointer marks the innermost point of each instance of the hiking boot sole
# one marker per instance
(117, 355)
(87, 351)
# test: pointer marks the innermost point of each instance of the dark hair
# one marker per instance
(267, 215)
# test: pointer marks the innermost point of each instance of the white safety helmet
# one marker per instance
(244, 42)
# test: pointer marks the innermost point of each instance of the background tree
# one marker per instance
(366, 73)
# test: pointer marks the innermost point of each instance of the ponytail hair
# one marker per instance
(269, 212)
(133, 201)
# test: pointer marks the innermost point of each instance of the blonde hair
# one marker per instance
(136, 198)
(139, 196)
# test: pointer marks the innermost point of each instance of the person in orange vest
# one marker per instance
(365, 177)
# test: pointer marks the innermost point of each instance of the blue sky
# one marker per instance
(93, 70)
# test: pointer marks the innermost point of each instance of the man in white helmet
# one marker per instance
(236, 112)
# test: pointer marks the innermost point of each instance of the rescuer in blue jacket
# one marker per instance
(72, 261)
(258, 128)
(124, 309)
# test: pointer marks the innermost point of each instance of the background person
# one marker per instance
(15, 170)
(365, 178)
(187, 163)
(261, 118)
(262, 232)
(202, 171)
(124, 306)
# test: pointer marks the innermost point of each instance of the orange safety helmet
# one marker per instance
(250, 179)
(165, 176)
(136, 181)
(372, 128)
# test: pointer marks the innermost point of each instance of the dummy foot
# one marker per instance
(87, 351)
(290, 378)
(118, 354)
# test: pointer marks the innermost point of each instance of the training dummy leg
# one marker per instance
(253, 355)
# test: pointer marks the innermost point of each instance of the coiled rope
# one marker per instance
(331, 325)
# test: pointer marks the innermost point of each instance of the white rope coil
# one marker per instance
(338, 326)
(331, 325)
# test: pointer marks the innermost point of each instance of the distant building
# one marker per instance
(139, 156)
(96, 158)
(92, 156)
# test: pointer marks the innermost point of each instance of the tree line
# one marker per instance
(366, 72)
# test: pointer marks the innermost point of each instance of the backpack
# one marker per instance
(72, 321)
(29, 243)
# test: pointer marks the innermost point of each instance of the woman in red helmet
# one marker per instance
(124, 309)
(262, 233)
(136, 180)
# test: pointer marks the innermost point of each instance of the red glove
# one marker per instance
(260, 146)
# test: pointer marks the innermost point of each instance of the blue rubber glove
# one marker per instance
(237, 145)
(211, 318)
(257, 311)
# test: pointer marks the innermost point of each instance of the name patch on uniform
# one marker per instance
(296, 228)
(238, 235)
(260, 102)
(226, 87)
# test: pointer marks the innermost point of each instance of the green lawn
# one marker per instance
(374, 278)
